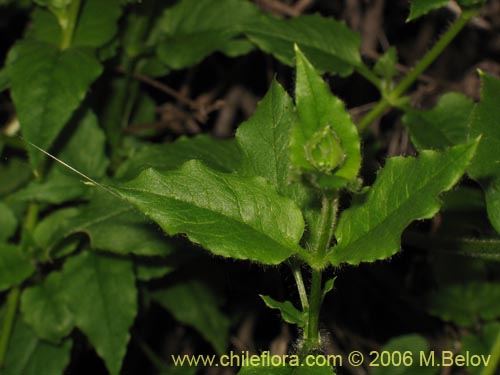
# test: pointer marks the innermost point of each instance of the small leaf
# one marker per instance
(406, 189)
(385, 66)
(288, 311)
(205, 25)
(8, 222)
(229, 215)
(221, 155)
(413, 346)
(265, 138)
(47, 86)
(29, 355)
(465, 304)
(328, 287)
(194, 304)
(443, 126)
(14, 267)
(331, 45)
(319, 112)
(419, 8)
(44, 309)
(485, 121)
(103, 287)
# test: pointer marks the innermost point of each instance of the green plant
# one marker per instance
(286, 190)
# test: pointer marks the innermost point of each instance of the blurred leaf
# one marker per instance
(44, 27)
(84, 151)
(47, 86)
(286, 370)
(220, 155)
(194, 304)
(287, 310)
(44, 309)
(465, 304)
(463, 199)
(406, 189)
(480, 344)
(4, 80)
(150, 271)
(13, 175)
(100, 286)
(447, 124)
(8, 222)
(330, 45)
(229, 215)
(485, 121)
(205, 26)
(414, 344)
(109, 223)
(419, 8)
(237, 47)
(386, 64)
(29, 355)
(14, 267)
(334, 165)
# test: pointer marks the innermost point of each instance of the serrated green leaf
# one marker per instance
(287, 310)
(229, 215)
(265, 138)
(85, 151)
(47, 86)
(480, 343)
(205, 26)
(331, 45)
(194, 304)
(406, 189)
(8, 222)
(419, 8)
(385, 66)
(29, 355)
(110, 224)
(101, 294)
(414, 344)
(14, 266)
(443, 126)
(44, 309)
(319, 111)
(485, 121)
(464, 304)
(221, 155)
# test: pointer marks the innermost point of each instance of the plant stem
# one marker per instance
(321, 244)
(369, 75)
(297, 275)
(494, 359)
(421, 66)
(68, 21)
(8, 322)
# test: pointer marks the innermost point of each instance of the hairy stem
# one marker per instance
(421, 66)
(297, 275)
(320, 246)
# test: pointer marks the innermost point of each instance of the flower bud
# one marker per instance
(324, 150)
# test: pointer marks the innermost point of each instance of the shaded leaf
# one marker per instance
(287, 310)
(8, 222)
(480, 343)
(100, 286)
(406, 189)
(222, 155)
(14, 175)
(443, 126)
(419, 8)
(4, 80)
(385, 66)
(14, 266)
(484, 168)
(29, 355)
(465, 304)
(229, 215)
(44, 309)
(205, 25)
(47, 86)
(194, 304)
(322, 115)
(330, 44)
